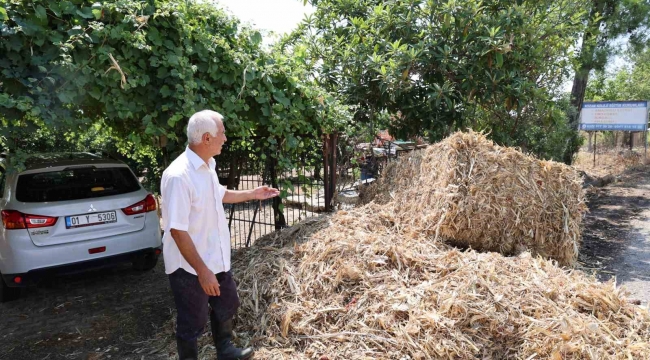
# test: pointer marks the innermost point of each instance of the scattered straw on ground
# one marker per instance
(609, 161)
(362, 289)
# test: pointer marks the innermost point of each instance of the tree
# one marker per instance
(608, 21)
(631, 82)
(143, 66)
(435, 64)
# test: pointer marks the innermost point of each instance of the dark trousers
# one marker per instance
(192, 303)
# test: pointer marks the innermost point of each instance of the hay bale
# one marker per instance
(491, 198)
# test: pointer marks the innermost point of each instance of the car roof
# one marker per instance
(46, 160)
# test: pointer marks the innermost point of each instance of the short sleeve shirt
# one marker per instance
(192, 201)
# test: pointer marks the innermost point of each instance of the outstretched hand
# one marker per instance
(265, 192)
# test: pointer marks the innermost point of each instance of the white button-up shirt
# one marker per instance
(192, 201)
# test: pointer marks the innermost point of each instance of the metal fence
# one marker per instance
(369, 163)
(307, 189)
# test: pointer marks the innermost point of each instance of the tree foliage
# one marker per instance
(143, 67)
(443, 65)
(607, 23)
(631, 82)
(98, 138)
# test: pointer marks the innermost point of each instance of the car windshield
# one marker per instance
(74, 184)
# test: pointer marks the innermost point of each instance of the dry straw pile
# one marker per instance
(377, 283)
(374, 283)
(480, 195)
(354, 286)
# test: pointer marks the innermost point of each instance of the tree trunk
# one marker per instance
(586, 64)
(578, 91)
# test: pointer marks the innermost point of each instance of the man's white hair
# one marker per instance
(202, 122)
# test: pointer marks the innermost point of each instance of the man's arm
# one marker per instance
(186, 246)
(260, 193)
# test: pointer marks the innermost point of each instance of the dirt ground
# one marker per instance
(105, 314)
(123, 314)
(616, 237)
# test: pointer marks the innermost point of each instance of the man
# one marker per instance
(196, 244)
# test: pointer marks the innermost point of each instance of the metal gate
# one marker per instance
(306, 190)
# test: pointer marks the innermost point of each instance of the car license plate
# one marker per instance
(90, 219)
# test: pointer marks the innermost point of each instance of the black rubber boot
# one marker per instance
(222, 336)
(187, 350)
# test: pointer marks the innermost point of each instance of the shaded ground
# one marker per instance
(105, 314)
(616, 238)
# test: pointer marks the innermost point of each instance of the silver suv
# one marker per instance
(70, 212)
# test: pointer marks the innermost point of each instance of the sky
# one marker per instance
(279, 16)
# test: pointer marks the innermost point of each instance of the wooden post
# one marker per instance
(329, 168)
(595, 136)
(278, 214)
(326, 176)
(334, 139)
(645, 143)
(233, 176)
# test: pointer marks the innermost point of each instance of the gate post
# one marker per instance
(329, 168)
(333, 169)
(326, 178)
(278, 215)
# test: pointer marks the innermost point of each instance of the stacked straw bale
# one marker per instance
(361, 288)
(477, 194)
